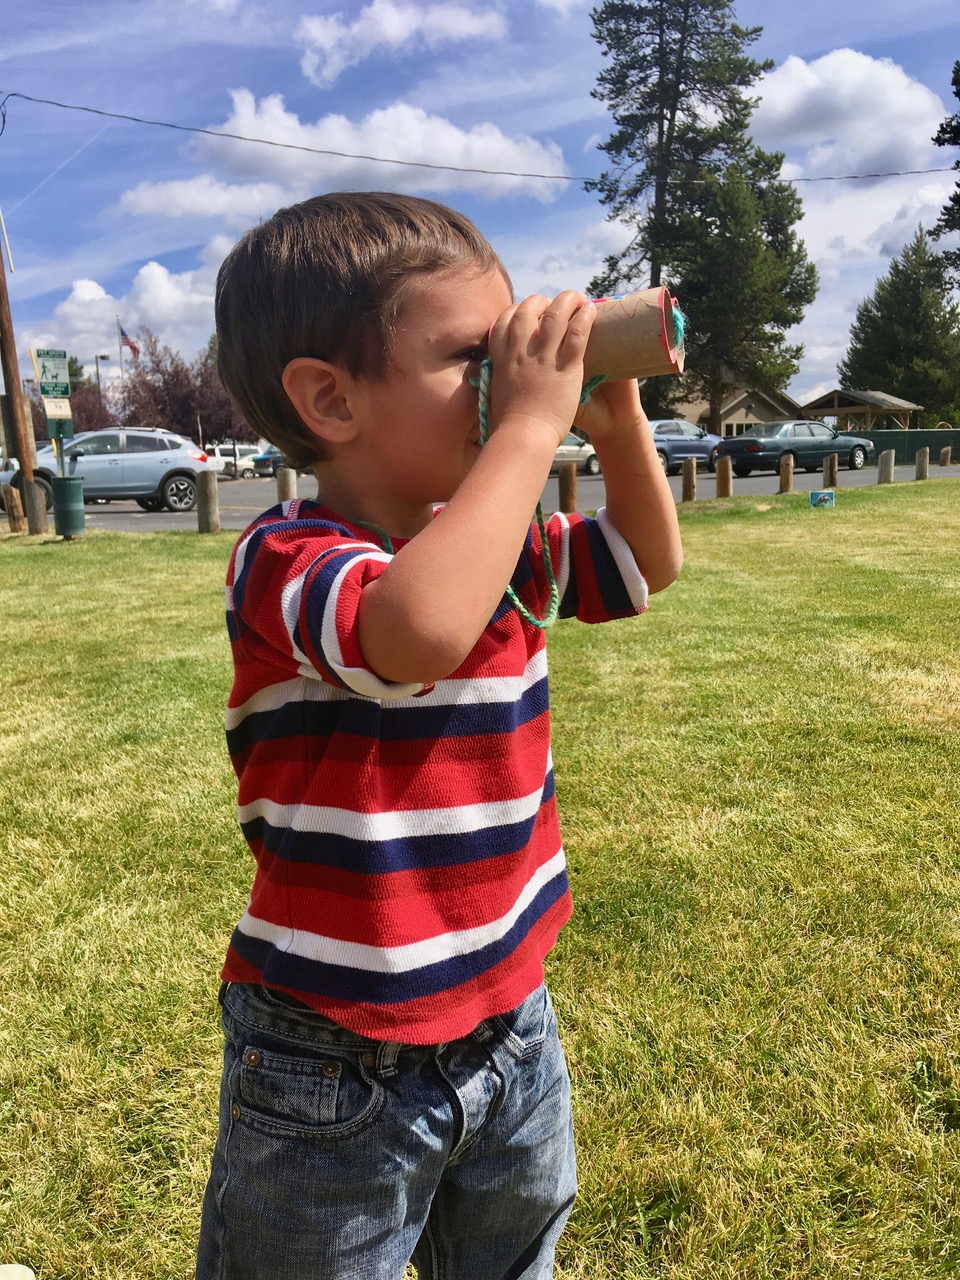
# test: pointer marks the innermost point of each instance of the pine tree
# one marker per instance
(905, 339)
(676, 88)
(706, 207)
(948, 135)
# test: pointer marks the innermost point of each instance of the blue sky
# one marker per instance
(108, 217)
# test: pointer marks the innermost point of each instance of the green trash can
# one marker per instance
(68, 515)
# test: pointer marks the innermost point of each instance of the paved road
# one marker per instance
(242, 500)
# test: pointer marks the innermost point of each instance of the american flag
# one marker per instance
(126, 341)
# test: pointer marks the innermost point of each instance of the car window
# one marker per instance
(573, 440)
(667, 429)
(689, 430)
(821, 433)
(143, 444)
(801, 431)
(100, 442)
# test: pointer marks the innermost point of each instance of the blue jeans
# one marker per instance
(342, 1158)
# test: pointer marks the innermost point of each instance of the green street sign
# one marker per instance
(54, 373)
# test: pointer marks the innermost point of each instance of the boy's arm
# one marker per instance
(638, 502)
(422, 617)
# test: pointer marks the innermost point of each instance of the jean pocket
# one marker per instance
(331, 1096)
(525, 1029)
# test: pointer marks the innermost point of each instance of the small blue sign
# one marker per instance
(822, 498)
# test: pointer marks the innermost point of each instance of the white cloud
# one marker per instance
(177, 307)
(847, 113)
(333, 43)
(203, 197)
(399, 132)
(564, 6)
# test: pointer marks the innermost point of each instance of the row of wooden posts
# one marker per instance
(208, 502)
(724, 475)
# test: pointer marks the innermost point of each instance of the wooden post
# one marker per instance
(724, 476)
(567, 483)
(14, 509)
(286, 484)
(923, 463)
(945, 456)
(786, 474)
(688, 488)
(22, 433)
(831, 471)
(35, 501)
(208, 502)
(885, 466)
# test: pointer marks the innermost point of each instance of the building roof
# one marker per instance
(841, 398)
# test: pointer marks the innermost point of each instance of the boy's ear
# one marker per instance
(318, 392)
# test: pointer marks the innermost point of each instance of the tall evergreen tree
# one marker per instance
(948, 135)
(744, 279)
(706, 207)
(676, 85)
(905, 339)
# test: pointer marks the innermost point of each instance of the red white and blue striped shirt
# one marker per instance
(410, 877)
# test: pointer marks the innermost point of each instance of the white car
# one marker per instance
(234, 459)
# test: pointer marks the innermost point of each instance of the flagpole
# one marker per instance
(120, 348)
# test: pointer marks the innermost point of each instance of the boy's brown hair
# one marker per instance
(327, 278)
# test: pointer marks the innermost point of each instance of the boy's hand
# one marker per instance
(537, 350)
(612, 407)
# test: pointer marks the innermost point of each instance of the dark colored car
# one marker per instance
(266, 463)
(573, 448)
(676, 440)
(761, 447)
(156, 468)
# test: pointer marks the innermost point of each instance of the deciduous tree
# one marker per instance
(162, 390)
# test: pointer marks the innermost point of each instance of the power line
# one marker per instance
(410, 164)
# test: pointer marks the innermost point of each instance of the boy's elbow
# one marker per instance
(412, 651)
(664, 572)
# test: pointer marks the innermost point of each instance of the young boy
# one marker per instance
(393, 1085)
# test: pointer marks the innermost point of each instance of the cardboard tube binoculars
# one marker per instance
(634, 336)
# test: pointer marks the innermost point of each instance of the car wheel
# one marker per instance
(45, 487)
(742, 469)
(179, 493)
(712, 460)
(247, 473)
(150, 504)
(592, 465)
(663, 462)
(858, 456)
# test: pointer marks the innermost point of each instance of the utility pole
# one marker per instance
(32, 499)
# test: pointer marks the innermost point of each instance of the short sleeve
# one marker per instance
(293, 595)
(597, 576)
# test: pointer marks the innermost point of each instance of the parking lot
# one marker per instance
(242, 500)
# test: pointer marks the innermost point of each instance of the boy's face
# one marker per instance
(418, 425)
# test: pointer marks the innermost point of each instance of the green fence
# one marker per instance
(906, 443)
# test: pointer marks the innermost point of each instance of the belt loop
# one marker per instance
(222, 993)
(387, 1053)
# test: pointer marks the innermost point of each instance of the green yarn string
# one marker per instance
(381, 534)
(550, 617)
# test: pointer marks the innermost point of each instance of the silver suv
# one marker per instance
(155, 468)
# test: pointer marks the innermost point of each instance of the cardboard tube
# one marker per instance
(634, 336)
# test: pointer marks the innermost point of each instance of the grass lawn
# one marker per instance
(760, 788)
